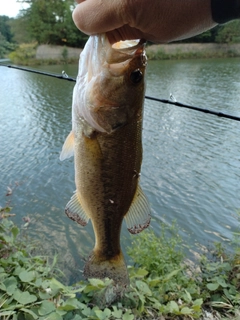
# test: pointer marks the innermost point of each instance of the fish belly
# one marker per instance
(107, 167)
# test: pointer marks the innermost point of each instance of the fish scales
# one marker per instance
(107, 144)
(112, 187)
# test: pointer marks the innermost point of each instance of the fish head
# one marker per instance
(111, 83)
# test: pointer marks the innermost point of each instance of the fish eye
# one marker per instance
(136, 76)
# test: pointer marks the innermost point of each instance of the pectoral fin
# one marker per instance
(75, 211)
(138, 217)
(68, 147)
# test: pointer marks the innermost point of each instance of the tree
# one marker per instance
(229, 32)
(19, 29)
(226, 33)
(5, 29)
(50, 21)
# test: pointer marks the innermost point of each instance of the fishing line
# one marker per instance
(64, 76)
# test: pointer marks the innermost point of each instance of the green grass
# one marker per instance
(161, 283)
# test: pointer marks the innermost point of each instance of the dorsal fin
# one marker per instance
(68, 147)
(138, 216)
(75, 211)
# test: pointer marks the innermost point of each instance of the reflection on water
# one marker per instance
(191, 162)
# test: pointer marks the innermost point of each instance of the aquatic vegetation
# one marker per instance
(161, 284)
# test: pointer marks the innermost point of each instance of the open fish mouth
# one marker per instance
(98, 52)
(126, 44)
(125, 50)
(121, 54)
(107, 74)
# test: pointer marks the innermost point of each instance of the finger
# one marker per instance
(97, 16)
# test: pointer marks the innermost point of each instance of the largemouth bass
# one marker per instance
(107, 114)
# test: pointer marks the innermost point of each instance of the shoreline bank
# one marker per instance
(154, 52)
(192, 51)
(30, 54)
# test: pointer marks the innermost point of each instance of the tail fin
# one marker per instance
(114, 268)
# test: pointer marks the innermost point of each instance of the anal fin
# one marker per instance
(139, 214)
(75, 212)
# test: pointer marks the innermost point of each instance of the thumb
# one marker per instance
(97, 16)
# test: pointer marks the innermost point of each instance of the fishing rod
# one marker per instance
(63, 76)
(172, 101)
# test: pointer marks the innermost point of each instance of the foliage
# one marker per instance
(6, 37)
(166, 284)
(160, 283)
(5, 29)
(226, 33)
(50, 22)
(19, 29)
(220, 283)
(5, 47)
(28, 288)
(221, 276)
(23, 53)
(167, 251)
(205, 37)
(65, 54)
(229, 33)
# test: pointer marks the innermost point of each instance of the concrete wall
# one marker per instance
(196, 47)
(56, 52)
(45, 51)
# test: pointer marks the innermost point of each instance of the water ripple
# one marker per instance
(191, 161)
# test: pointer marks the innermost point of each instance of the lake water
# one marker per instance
(191, 164)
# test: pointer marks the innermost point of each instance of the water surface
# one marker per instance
(191, 164)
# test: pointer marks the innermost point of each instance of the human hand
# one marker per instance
(153, 20)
